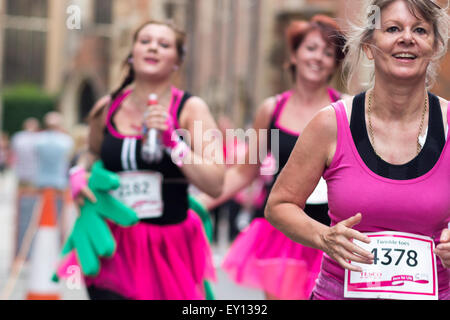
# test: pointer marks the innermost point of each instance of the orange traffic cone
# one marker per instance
(44, 255)
(68, 216)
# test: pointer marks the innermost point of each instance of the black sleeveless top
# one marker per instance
(121, 153)
(417, 167)
(286, 143)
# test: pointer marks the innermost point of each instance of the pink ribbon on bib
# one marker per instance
(396, 281)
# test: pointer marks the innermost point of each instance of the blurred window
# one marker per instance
(27, 8)
(169, 9)
(87, 100)
(24, 59)
(103, 11)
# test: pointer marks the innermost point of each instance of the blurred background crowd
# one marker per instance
(65, 54)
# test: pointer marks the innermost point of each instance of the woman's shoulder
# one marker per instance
(265, 112)
(326, 119)
(195, 108)
(195, 105)
(268, 105)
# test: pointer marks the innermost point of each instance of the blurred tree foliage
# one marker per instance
(24, 101)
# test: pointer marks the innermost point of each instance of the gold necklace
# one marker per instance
(369, 113)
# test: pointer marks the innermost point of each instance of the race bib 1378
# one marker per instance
(404, 268)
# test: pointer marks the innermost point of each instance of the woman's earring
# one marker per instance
(130, 60)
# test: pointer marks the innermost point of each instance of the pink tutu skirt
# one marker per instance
(154, 262)
(264, 258)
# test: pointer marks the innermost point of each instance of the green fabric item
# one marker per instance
(90, 236)
(209, 291)
(205, 216)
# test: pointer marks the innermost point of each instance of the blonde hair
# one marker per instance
(361, 35)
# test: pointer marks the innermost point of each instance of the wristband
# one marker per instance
(175, 146)
(91, 237)
(169, 137)
(179, 152)
(78, 180)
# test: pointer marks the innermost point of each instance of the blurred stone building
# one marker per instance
(235, 49)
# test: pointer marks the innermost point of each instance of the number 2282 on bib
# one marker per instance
(141, 190)
(404, 268)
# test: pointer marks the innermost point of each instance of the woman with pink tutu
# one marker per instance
(166, 255)
(261, 256)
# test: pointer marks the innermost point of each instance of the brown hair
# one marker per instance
(328, 28)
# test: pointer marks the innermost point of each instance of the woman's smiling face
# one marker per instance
(314, 59)
(402, 49)
(154, 52)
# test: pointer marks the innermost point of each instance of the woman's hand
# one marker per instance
(207, 201)
(337, 243)
(443, 249)
(85, 193)
(79, 186)
(156, 117)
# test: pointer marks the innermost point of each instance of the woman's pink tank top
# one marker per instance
(419, 206)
